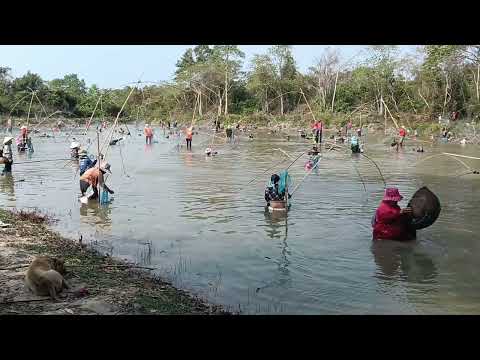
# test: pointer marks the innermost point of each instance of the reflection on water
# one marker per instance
(202, 224)
(7, 185)
(400, 260)
(277, 229)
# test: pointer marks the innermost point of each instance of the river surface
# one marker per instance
(199, 222)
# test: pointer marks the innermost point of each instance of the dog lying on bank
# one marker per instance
(45, 276)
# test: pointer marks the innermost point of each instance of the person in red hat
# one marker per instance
(390, 221)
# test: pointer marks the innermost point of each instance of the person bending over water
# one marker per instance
(94, 177)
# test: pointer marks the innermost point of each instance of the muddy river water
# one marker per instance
(204, 228)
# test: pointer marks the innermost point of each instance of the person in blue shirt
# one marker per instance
(85, 161)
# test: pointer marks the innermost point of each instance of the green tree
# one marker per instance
(261, 81)
(285, 74)
(230, 56)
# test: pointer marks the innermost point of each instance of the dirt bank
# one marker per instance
(99, 284)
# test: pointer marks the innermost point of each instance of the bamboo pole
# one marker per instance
(477, 82)
(43, 107)
(378, 168)
(91, 117)
(463, 156)
(308, 173)
(395, 121)
(449, 155)
(306, 101)
(334, 91)
(15, 105)
(98, 161)
(263, 172)
(29, 107)
(108, 138)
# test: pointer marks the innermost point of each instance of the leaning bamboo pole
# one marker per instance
(463, 156)
(334, 91)
(29, 107)
(386, 107)
(15, 105)
(108, 138)
(309, 108)
(91, 117)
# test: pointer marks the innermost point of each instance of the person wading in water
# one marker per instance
(402, 133)
(7, 154)
(9, 126)
(94, 177)
(390, 222)
(148, 131)
(318, 130)
(188, 137)
(74, 150)
(22, 139)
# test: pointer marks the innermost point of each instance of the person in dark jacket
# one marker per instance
(85, 162)
(271, 191)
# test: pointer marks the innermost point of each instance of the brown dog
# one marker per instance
(44, 276)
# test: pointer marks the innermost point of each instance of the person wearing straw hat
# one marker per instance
(7, 154)
(390, 222)
(74, 149)
(94, 177)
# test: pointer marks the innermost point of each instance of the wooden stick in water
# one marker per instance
(463, 156)
(99, 161)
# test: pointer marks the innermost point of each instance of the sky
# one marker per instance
(113, 66)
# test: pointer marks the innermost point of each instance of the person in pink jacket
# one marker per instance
(390, 221)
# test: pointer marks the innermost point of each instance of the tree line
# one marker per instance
(211, 82)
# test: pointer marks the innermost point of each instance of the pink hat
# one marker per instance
(392, 194)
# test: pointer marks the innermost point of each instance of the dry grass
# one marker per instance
(34, 216)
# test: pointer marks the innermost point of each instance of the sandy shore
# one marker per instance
(99, 284)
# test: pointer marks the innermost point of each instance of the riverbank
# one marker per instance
(99, 284)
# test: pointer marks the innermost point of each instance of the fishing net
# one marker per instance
(285, 182)
(426, 208)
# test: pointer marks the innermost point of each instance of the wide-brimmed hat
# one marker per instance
(7, 139)
(74, 145)
(392, 194)
(105, 167)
